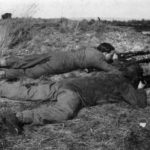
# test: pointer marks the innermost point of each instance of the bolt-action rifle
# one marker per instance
(139, 57)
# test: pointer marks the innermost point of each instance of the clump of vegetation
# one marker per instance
(21, 33)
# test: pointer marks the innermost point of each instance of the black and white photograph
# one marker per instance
(75, 75)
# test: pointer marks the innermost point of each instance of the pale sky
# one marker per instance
(123, 9)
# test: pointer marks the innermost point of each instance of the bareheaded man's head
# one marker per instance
(108, 50)
(105, 47)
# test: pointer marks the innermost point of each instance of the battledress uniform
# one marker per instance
(52, 63)
(70, 95)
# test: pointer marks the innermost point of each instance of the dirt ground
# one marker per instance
(105, 127)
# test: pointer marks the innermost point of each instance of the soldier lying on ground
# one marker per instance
(58, 62)
(69, 96)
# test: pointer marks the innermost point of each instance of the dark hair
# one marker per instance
(105, 47)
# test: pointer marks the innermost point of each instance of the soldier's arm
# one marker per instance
(136, 98)
(103, 65)
(97, 60)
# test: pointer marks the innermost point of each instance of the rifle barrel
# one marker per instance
(131, 54)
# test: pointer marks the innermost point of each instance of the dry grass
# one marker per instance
(106, 127)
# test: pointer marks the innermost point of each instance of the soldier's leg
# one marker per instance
(18, 91)
(28, 61)
(38, 70)
(67, 105)
(33, 72)
(11, 73)
(11, 62)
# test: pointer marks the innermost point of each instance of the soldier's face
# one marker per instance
(110, 56)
